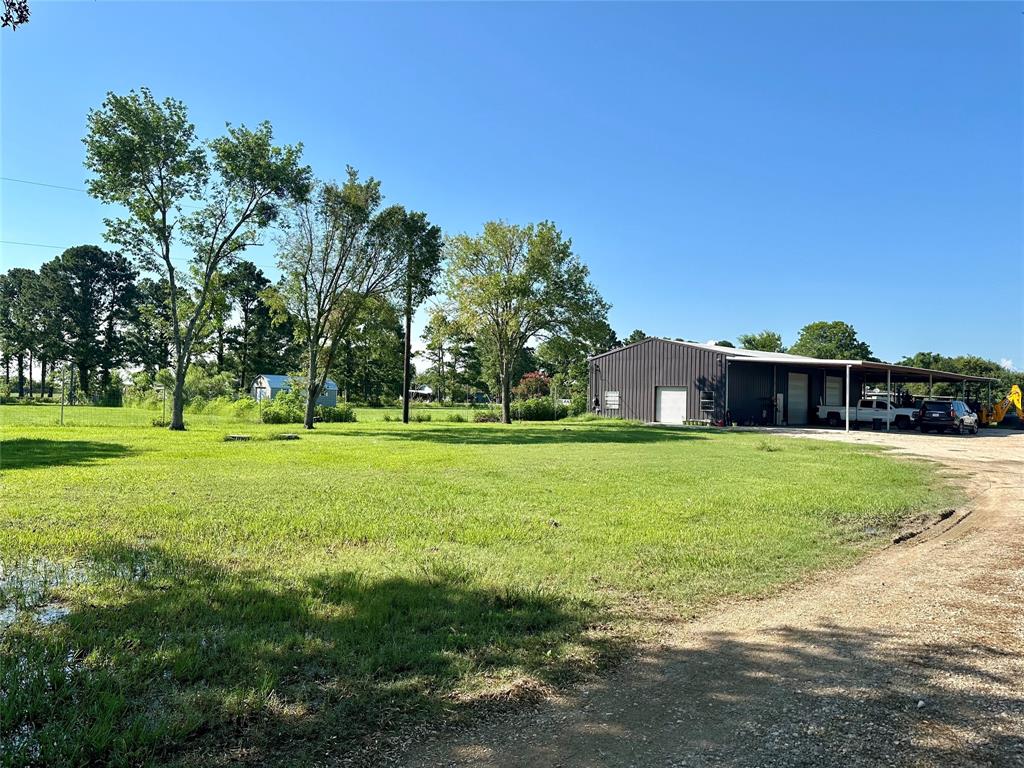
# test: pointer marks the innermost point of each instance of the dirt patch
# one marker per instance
(915, 657)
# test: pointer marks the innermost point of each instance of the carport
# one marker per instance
(793, 381)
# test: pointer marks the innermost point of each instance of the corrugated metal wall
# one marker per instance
(636, 371)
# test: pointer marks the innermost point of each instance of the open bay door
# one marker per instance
(797, 398)
(670, 405)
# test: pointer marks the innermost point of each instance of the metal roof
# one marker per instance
(905, 372)
(280, 381)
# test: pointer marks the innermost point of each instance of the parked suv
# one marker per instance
(941, 415)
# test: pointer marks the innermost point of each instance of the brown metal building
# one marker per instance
(673, 382)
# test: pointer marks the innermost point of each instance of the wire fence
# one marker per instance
(41, 413)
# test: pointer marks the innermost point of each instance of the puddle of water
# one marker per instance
(26, 587)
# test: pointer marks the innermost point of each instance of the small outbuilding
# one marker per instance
(678, 382)
(266, 386)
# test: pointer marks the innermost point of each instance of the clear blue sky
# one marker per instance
(721, 168)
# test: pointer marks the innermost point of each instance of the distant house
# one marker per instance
(266, 386)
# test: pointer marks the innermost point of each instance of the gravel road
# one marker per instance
(915, 657)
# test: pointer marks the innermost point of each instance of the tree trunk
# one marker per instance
(178, 400)
(506, 396)
(311, 389)
(83, 377)
(407, 353)
(21, 374)
(30, 374)
(42, 377)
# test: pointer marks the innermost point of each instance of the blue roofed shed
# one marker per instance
(266, 386)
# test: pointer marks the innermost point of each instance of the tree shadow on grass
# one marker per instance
(817, 696)
(36, 453)
(172, 659)
(517, 434)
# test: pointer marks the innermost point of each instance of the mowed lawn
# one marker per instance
(281, 602)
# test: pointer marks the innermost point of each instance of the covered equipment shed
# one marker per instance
(677, 382)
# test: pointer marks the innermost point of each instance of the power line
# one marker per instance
(72, 189)
(31, 245)
(43, 184)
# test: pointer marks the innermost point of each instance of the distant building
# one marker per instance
(266, 386)
(421, 394)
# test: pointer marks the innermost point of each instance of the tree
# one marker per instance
(96, 298)
(146, 157)
(149, 337)
(725, 343)
(244, 285)
(338, 251)
(18, 291)
(421, 244)
(830, 341)
(511, 284)
(765, 341)
(369, 368)
(634, 337)
(15, 13)
(565, 358)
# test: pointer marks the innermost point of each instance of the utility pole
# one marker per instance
(63, 394)
(406, 372)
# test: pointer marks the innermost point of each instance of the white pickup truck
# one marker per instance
(866, 411)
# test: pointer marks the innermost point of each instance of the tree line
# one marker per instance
(174, 290)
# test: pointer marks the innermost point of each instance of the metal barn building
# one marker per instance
(674, 382)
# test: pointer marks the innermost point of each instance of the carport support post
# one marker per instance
(847, 398)
(888, 399)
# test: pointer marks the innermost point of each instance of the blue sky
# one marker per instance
(722, 168)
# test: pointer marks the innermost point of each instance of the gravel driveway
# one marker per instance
(915, 657)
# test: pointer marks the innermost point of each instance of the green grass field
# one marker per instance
(274, 601)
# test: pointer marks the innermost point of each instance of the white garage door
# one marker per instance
(670, 405)
(798, 398)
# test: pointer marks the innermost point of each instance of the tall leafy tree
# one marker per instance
(338, 251)
(565, 358)
(830, 341)
(511, 284)
(244, 286)
(149, 337)
(765, 341)
(18, 322)
(421, 244)
(96, 298)
(369, 367)
(147, 158)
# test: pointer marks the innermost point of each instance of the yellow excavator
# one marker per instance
(994, 414)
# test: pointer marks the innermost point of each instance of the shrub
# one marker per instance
(486, 417)
(244, 407)
(419, 418)
(336, 413)
(538, 409)
(457, 418)
(578, 404)
(289, 407)
(158, 422)
(387, 417)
